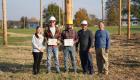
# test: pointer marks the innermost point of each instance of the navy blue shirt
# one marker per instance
(102, 39)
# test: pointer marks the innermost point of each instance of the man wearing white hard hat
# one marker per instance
(52, 36)
(85, 41)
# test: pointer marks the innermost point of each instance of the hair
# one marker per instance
(100, 22)
(36, 32)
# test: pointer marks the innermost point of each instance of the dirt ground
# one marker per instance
(124, 59)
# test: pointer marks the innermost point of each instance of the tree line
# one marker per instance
(112, 10)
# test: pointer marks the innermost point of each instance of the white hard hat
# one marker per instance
(52, 18)
(84, 22)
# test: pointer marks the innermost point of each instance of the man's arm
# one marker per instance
(107, 41)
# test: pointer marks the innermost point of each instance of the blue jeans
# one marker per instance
(70, 51)
(52, 50)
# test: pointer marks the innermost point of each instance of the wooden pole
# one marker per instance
(68, 10)
(59, 16)
(41, 21)
(129, 20)
(4, 12)
(63, 12)
(102, 2)
(24, 22)
(120, 16)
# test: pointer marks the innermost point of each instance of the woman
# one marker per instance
(37, 44)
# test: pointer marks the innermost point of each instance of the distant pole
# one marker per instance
(120, 16)
(129, 19)
(63, 12)
(4, 12)
(68, 10)
(59, 16)
(24, 22)
(41, 21)
(102, 2)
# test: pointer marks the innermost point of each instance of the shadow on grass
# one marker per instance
(135, 29)
(128, 63)
(14, 67)
(20, 68)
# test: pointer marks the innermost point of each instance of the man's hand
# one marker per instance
(90, 50)
(76, 49)
(106, 50)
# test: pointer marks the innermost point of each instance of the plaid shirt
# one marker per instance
(69, 34)
(48, 34)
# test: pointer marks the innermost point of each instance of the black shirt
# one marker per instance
(85, 39)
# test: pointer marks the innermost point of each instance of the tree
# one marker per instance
(135, 8)
(93, 20)
(81, 15)
(24, 22)
(112, 9)
(53, 10)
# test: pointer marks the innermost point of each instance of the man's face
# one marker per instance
(69, 26)
(101, 26)
(84, 26)
(52, 22)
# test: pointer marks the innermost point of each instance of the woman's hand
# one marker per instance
(41, 50)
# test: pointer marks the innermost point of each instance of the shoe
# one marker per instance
(91, 73)
(35, 73)
(106, 73)
(66, 71)
(84, 72)
(48, 72)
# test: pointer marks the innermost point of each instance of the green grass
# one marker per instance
(25, 41)
(18, 41)
(114, 29)
(21, 31)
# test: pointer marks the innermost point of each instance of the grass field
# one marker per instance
(21, 37)
(16, 59)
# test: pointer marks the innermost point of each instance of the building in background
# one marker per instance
(134, 21)
(33, 22)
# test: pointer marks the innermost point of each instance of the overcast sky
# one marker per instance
(30, 8)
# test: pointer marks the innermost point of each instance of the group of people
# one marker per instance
(72, 41)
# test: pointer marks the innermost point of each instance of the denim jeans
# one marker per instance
(52, 50)
(70, 51)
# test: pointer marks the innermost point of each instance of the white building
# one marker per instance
(134, 21)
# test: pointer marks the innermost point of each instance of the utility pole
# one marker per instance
(59, 16)
(41, 20)
(63, 12)
(120, 16)
(129, 19)
(4, 12)
(68, 10)
(102, 2)
(24, 22)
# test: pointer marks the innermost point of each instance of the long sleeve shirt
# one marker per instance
(37, 43)
(69, 34)
(102, 39)
(85, 39)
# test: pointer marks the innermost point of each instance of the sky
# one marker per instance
(30, 8)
